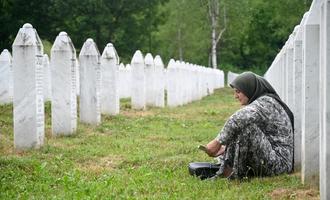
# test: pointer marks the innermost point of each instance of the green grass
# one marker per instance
(134, 155)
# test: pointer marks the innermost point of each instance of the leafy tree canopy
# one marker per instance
(255, 30)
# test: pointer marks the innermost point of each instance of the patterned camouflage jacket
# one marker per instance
(270, 117)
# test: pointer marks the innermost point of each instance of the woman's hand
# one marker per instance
(214, 148)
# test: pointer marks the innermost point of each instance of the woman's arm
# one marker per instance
(215, 148)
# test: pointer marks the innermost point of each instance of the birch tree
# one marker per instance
(216, 32)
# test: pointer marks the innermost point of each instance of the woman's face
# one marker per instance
(241, 97)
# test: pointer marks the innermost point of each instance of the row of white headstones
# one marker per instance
(96, 80)
(301, 75)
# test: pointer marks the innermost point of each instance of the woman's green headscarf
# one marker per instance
(254, 86)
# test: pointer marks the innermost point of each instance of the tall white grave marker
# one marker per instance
(28, 91)
(171, 77)
(310, 101)
(64, 96)
(138, 98)
(90, 83)
(297, 65)
(6, 84)
(110, 81)
(47, 79)
(159, 82)
(325, 102)
(150, 80)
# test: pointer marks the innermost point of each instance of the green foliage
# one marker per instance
(185, 27)
(256, 30)
(127, 24)
(134, 155)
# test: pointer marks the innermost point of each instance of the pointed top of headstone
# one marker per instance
(63, 43)
(110, 52)
(158, 62)
(149, 60)
(27, 25)
(138, 57)
(5, 55)
(28, 36)
(89, 48)
(171, 63)
(62, 33)
(121, 66)
(128, 67)
(313, 14)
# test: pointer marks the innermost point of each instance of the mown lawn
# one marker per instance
(135, 155)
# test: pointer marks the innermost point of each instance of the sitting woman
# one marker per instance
(256, 140)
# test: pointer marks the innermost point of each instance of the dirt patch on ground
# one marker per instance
(97, 166)
(308, 194)
(137, 113)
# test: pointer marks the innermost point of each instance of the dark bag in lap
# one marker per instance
(203, 170)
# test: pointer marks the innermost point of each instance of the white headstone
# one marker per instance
(310, 102)
(47, 78)
(171, 84)
(122, 80)
(325, 102)
(6, 76)
(138, 98)
(90, 83)
(64, 96)
(150, 80)
(77, 76)
(110, 81)
(159, 82)
(128, 81)
(297, 65)
(28, 90)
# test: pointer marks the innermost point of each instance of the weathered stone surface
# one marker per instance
(150, 80)
(47, 78)
(138, 98)
(64, 96)
(77, 78)
(159, 82)
(310, 101)
(6, 77)
(90, 83)
(325, 101)
(171, 84)
(297, 65)
(110, 81)
(28, 89)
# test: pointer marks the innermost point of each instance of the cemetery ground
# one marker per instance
(134, 155)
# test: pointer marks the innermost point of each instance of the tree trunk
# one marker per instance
(213, 6)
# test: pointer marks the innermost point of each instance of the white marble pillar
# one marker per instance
(310, 101)
(171, 84)
(128, 82)
(289, 73)
(110, 81)
(122, 80)
(47, 78)
(325, 102)
(28, 91)
(6, 76)
(77, 68)
(138, 98)
(150, 80)
(159, 82)
(90, 83)
(221, 79)
(64, 95)
(297, 110)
